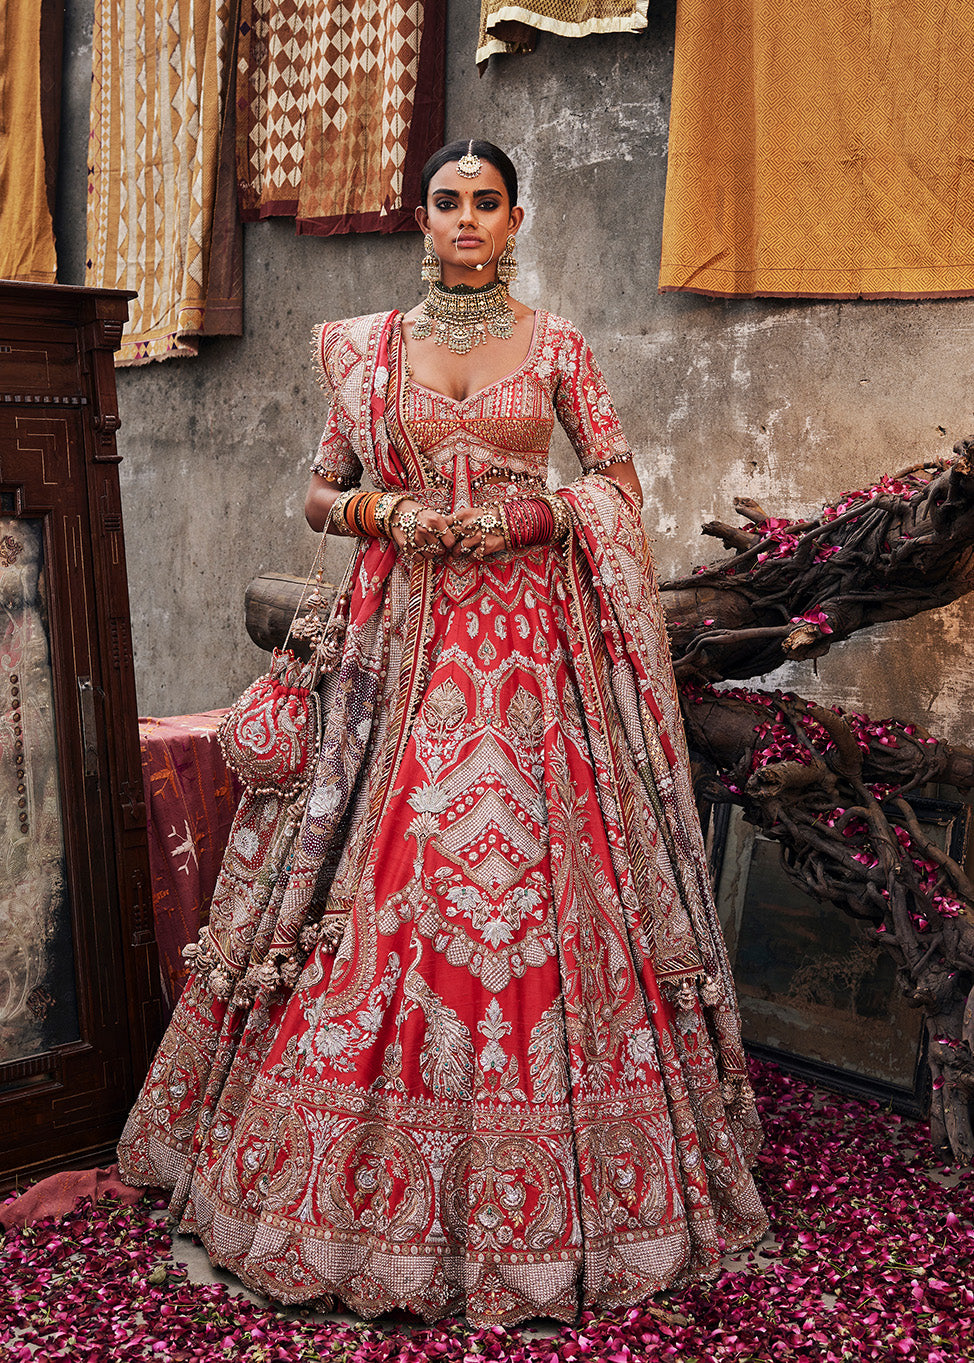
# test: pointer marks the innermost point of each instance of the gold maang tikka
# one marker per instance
(469, 166)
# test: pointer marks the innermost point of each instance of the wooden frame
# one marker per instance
(818, 995)
(82, 1019)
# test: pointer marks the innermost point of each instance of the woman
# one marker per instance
(517, 1087)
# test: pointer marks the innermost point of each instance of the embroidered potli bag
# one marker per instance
(270, 737)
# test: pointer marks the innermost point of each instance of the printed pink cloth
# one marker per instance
(190, 796)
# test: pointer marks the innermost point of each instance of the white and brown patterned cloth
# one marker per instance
(506, 27)
(340, 106)
(161, 199)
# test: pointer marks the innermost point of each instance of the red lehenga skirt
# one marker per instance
(484, 1104)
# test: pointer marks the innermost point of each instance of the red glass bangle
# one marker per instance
(530, 521)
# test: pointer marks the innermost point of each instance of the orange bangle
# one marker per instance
(365, 514)
(368, 514)
(357, 513)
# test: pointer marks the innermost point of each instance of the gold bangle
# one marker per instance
(561, 514)
(339, 524)
(505, 529)
(385, 511)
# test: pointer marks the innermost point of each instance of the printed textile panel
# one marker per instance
(820, 150)
(506, 27)
(339, 107)
(190, 798)
(157, 200)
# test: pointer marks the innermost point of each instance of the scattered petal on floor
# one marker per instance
(872, 1257)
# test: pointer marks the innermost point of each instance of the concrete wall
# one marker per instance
(790, 403)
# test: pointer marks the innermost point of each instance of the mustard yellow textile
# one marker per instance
(160, 78)
(510, 27)
(26, 230)
(822, 150)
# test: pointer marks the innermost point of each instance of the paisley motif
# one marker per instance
(504, 1195)
(375, 1179)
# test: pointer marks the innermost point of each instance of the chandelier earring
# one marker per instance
(507, 264)
(430, 272)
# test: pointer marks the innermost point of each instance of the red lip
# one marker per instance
(468, 241)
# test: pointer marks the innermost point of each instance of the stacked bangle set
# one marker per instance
(367, 513)
(534, 520)
(522, 522)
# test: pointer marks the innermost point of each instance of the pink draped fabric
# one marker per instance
(61, 1193)
(190, 799)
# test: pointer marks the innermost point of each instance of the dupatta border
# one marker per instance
(607, 531)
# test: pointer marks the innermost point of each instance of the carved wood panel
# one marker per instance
(79, 995)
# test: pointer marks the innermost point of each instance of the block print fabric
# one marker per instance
(339, 106)
(190, 799)
(161, 217)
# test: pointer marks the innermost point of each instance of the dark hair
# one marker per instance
(454, 150)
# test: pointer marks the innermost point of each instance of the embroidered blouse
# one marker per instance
(504, 430)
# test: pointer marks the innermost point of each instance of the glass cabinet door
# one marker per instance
(38, 998)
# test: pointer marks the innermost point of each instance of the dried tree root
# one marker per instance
(831, 788)
(792, 589)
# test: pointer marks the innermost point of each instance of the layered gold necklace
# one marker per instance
(460, 317)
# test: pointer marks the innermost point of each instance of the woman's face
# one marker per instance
(469, 221)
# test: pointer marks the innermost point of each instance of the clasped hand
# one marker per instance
(461, 534)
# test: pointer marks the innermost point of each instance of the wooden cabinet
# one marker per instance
(79, 993)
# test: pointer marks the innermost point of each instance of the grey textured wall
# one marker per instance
(790, 403)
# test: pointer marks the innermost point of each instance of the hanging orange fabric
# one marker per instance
(821, 150)
(30, 78)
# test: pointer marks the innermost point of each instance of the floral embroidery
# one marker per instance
(499, 1071)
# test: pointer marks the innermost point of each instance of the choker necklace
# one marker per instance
(460, 317)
